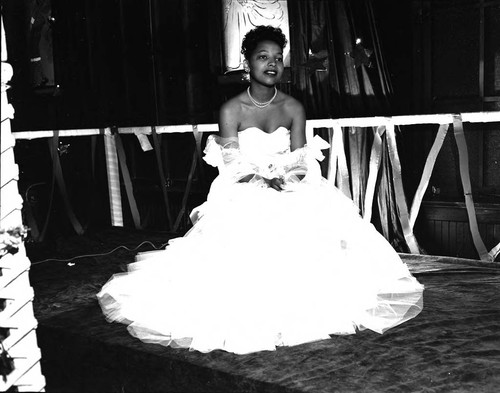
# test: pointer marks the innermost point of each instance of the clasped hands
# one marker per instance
(276, 183)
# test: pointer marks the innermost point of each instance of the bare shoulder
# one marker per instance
(297, 116)
(294, 109)
(292, 103)
(229, 115)
(231, 107)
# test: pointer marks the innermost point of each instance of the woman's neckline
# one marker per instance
(261, 130)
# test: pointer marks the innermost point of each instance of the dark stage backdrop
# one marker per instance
(129, 62)
(117, 63)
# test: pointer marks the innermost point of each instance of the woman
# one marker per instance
(276, 255)
(262, 106)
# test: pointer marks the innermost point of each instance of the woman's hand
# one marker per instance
(276, 183)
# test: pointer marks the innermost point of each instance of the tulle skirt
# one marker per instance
(261, 269)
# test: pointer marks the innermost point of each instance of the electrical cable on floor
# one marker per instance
(100, 255)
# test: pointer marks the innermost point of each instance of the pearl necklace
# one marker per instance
(262, 104)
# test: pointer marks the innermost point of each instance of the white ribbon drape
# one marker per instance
(382, 123)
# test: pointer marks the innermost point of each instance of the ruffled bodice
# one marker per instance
(265, 154)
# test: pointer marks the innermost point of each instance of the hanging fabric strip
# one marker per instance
(385, 198)
(356, 158)
(332, 161)
(143, 140)
(399, 191)
(58, 174)
(343, 172)
(197, 136)
(53, 141)
(463, 158)
(94, 192)
(161, 172)
(115, 197)
(93, 146)
(375, 156)
(427, 172)
(494, 252)
(122, 160)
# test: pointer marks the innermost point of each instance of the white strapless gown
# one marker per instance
(263, 268)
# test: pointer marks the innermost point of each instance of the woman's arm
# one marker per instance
(228, 119)
(298, 129)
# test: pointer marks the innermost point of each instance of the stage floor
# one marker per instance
(453, 345)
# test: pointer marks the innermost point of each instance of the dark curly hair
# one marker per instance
(259, 34)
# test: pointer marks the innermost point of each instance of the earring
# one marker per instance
(245, 77)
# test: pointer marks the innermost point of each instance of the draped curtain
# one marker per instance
(338, 70)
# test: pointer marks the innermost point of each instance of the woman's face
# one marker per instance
(266, 63)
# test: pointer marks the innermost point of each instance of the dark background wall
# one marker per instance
(116, 63)
(125, 62)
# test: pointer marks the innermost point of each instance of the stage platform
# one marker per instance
(452, 346)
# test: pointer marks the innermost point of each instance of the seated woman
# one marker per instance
(277, 256)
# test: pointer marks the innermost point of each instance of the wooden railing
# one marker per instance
(338, 172)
